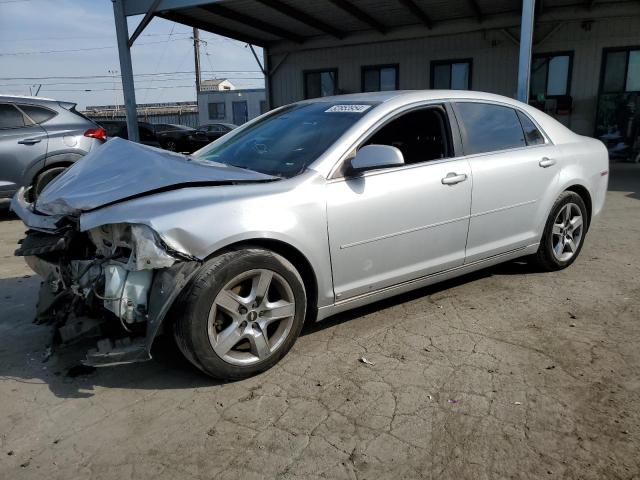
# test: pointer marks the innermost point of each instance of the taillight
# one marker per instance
(99, 133)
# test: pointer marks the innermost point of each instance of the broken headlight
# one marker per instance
(139, 244)
(133, 252)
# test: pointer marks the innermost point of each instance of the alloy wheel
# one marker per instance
(568, 229)
(251, 317)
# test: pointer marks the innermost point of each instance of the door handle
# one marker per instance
(546, 162)
(452, 178)
(30, 141)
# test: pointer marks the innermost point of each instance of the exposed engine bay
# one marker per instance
(114, 282)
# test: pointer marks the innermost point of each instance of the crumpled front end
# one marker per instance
(115, 282)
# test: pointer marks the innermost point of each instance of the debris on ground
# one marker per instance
(572, 316)
(517, 403)
(550, 367)
(572, 324)
(454, 401)
(367, 362)
(211, 432)
(429, 397)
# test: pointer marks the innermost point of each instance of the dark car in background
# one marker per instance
(118, 128)
(39, 139)
(179, 138)
(214, 131)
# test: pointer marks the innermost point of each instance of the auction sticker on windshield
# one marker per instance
(348, 109)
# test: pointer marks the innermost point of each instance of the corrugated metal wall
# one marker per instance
(495, 59)
(190, 119)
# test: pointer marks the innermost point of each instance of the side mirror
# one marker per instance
(373, 157)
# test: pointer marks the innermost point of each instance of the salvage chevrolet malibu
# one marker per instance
(312, 209)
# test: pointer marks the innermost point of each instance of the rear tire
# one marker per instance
(171, 145)
(241, 314)
(564, 233)
(44, 178)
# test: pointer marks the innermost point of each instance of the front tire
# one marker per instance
(241, 314)
(564, 233)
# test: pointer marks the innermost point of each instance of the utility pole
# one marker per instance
(196, 53)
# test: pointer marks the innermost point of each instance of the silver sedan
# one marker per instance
(312, 209)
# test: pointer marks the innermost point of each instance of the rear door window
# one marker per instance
(488, 128)
(38, 114)
(531, 132)
(11, 117)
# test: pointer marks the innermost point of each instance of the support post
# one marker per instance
(526, 44)
(196, 57)
(126, 70)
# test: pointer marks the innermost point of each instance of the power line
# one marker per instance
(47, 52)
(82, 37)
(88, 77)
(120, 89)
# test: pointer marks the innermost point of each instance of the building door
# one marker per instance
(240, 113)
(618, 117)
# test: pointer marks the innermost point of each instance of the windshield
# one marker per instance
(286, 142)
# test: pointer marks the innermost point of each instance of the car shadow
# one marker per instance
(5, 211)
(23, 344)
(514, 267)
(625, 177)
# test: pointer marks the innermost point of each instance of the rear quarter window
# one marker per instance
(488, 127)
(532, 135)
(11, 117)
(38, 114)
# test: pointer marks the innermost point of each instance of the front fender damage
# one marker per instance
(166, 287)
(116, 282)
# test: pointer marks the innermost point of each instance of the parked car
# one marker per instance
(39, 139)
(313, 209)
(215, 130)
(118, 128)
(182, 139)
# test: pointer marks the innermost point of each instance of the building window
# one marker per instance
(216, 111)
(621, 72)
(320, 83)
(551, 75)
(378, 78)
(451, 74)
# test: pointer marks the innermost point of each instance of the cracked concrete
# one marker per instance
(506, 373)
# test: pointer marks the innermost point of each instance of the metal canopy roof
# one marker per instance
(265, 22)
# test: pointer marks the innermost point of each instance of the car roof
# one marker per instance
(27, 99)
(415, 95)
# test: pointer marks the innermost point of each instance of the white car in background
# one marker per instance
(312, 209)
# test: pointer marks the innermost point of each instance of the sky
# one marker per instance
(69, 47)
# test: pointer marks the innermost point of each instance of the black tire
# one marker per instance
(544, 257)
(171, 145)
(191, 320)
(43, 179)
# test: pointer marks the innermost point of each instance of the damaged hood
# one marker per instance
(120, 170)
